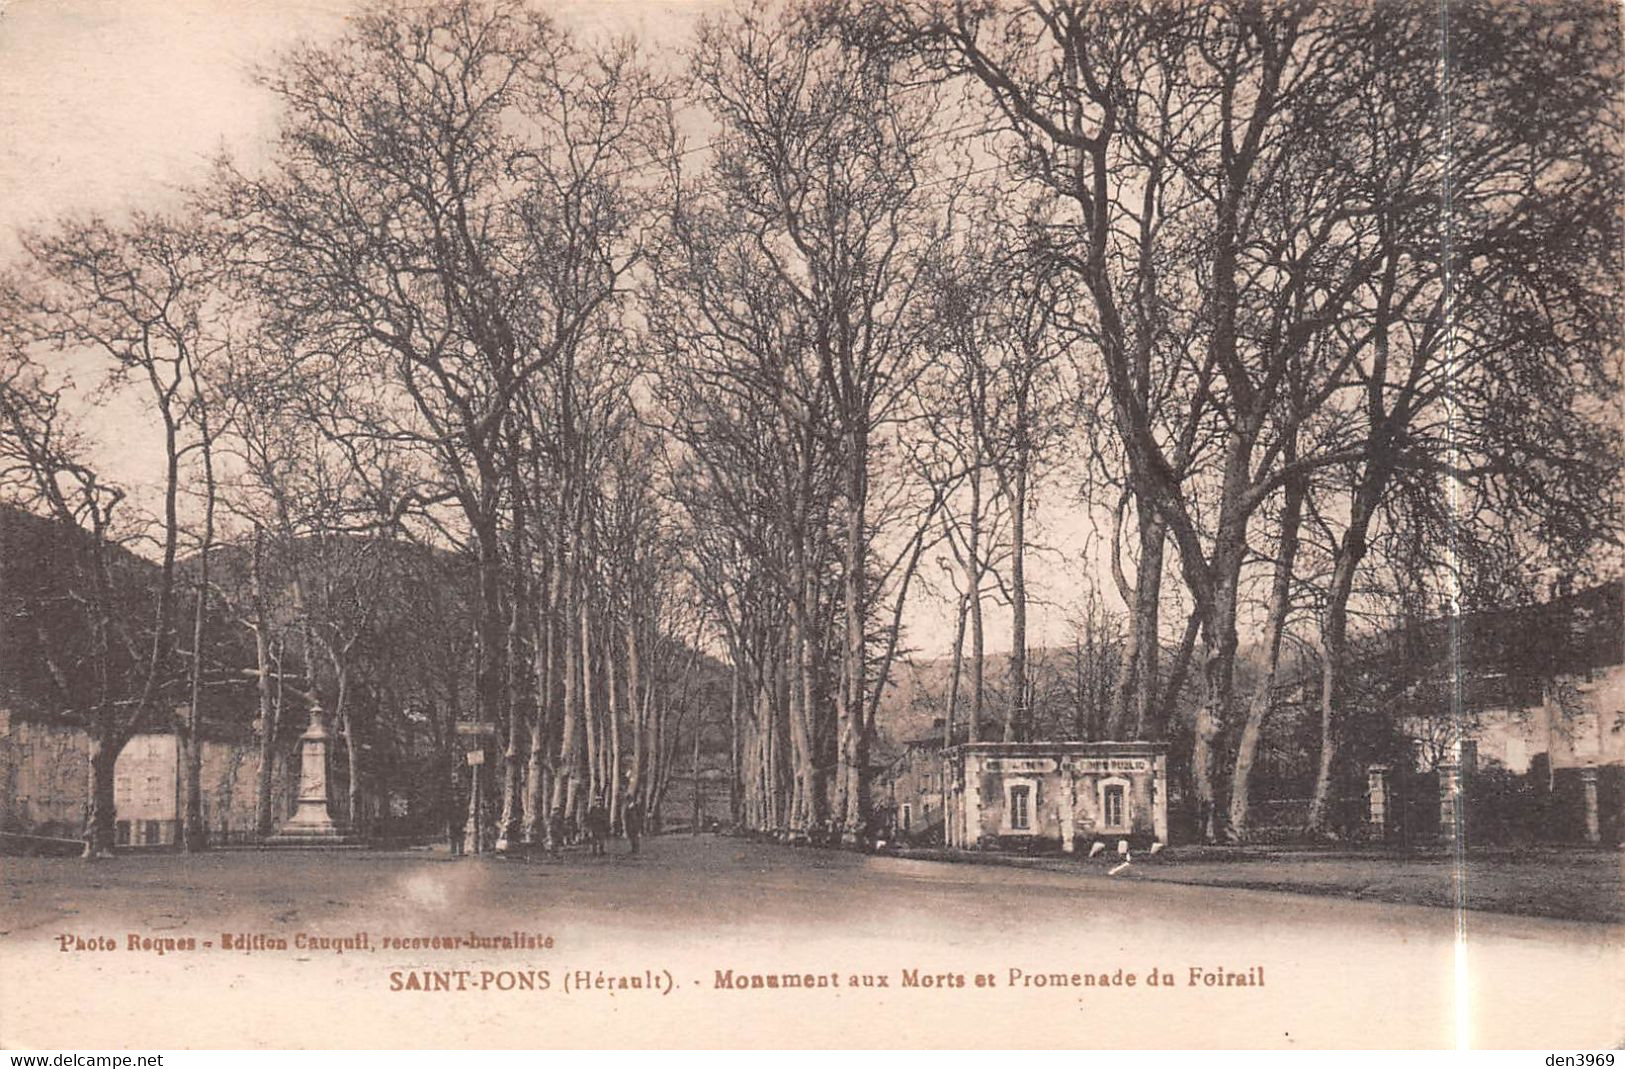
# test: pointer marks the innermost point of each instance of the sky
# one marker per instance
(112, 106)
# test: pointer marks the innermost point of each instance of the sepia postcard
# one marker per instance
(809, 524)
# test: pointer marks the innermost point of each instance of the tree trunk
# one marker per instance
(694, 772)
(490, 684)
(1016, 724)
(800, 736)
(1218, 676)
(612, 713)
(953, 683)
(517, 730)
(589, 719)
(1180, 668)
(854, 742)
(1149, 719)
(1351, 551)
(1274, 627)
(1333, 651)
(1123, 691)
(547, 709)
(569, 737)
(101, 812)
(634, 709)
(973, 578)
(1216, 593)
(808, 785)
(736, 799)
(190, 736)
(533, 830)
(194, 835)
(352, 757)
(268, 709)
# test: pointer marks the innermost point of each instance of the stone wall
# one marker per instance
(44, 776)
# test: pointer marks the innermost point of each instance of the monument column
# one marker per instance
(1377, 780)
(1450, 802)
(1588, 783)
(312, 821)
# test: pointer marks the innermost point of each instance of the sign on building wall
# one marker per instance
(1020, 764)
(1109, 764)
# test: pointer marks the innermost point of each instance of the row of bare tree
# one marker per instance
(1313, 301)
(407, 325)
(1342, 275)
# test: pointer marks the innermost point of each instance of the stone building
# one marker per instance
(911, 789)
(45, 782)
(1054, 795)
(1536, 693)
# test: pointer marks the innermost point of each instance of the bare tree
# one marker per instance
(825, 157)
(1007, 361)
(1215, 137)
(452, 211)
(137, 298)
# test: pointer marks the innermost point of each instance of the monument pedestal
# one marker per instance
(312, 823)
(1377, 801)
(1593, 811)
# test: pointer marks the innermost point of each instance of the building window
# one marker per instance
(1020, 815)
(1114, 805)
(121, 833)
(908, 818)
(1021, 807)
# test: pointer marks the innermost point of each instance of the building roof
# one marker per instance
(1047, 749)
(1571, 633)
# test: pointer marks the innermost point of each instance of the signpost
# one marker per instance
(480, 730)
(476, 761)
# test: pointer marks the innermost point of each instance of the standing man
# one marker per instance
(597, 827)
(632, 821)
(456, 815)
(555, 833)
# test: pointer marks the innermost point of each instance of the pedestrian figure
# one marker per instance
(597, 827)
(555, 832)
(454, 835)
(456, 815)
(632, 821)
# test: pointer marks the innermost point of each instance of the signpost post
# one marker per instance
(476, 761)
(479, 731)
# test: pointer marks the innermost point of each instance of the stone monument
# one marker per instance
(1377, 793)
(312, 822)
(1588, 786)
(1452, 814)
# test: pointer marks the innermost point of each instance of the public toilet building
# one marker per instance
(1038, 795)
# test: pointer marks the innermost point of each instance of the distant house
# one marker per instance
(1540, 685)
(45, 782)
(1535, 693)
(1028, 796)
(1055, 795)
(911, 787)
